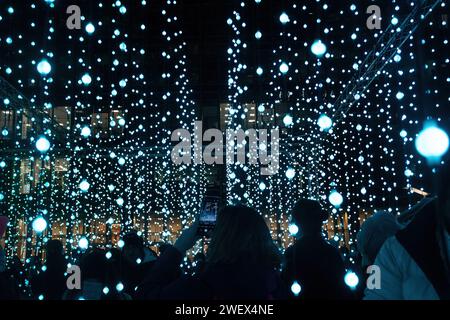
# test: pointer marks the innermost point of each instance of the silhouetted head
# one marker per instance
(241, 234)
(133, 248)
(309, 216)
(93, 265)
(54, 249)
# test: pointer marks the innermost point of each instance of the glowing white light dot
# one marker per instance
(432, 142)
(42, 144)
(259, 71)
(293, 229)
(39, 224)
(296, 288)
(85, 132)
(83, 243)
(324, 122)
(351, 279)
(290, 173)
(90, 28)
(119, 286)
(335, 198)
(44, 67)
(403, 133)
(318, 48)
(408, 173)
(284, 68)
(86, 79)
(288, 120)
(84, 186)
(284, 18)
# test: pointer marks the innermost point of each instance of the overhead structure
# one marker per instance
(388, 45)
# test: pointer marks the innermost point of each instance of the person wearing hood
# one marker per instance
(414, 264)
(373, 233)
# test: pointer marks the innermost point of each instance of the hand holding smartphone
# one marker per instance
(208, 216)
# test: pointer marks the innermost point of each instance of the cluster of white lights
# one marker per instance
(310, 65)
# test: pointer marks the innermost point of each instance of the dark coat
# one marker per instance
(51, 283)
(317, 267)
(240, 280)
(8, 287)
(133, 275)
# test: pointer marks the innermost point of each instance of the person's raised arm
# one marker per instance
(167, 268)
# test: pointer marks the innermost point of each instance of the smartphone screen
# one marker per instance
(208, 215)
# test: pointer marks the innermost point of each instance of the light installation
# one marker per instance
(347, 124)
(356, 105)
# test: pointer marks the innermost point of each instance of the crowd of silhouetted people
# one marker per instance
(404, 256)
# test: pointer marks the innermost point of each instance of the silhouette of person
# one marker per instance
(311, 263)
